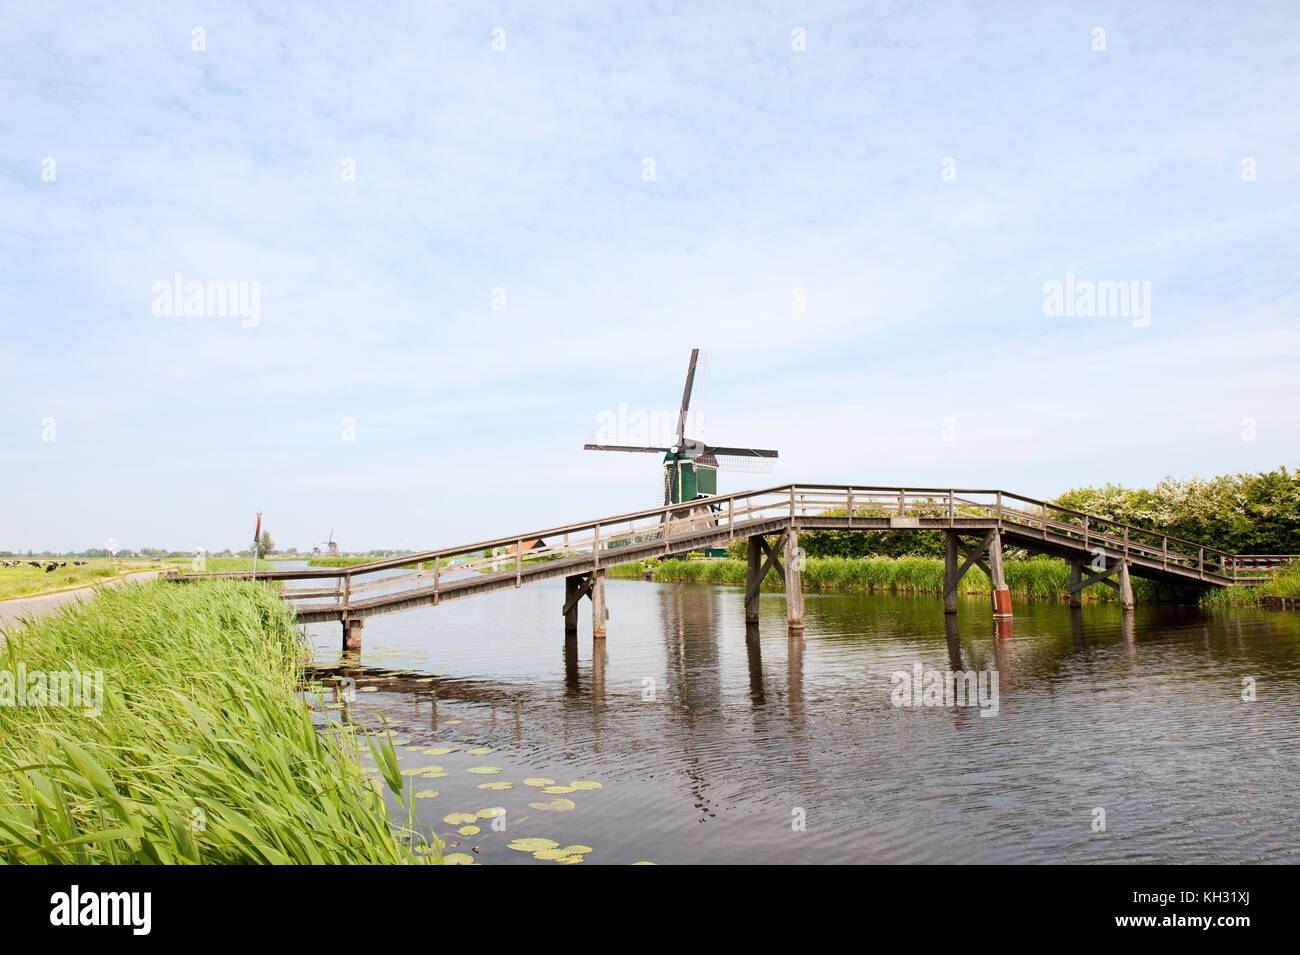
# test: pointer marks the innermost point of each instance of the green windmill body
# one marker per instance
(690, 466)
(689, 474)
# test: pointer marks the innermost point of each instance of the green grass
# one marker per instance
(204, 751)
(217, 565)
(342, 561)
(1285, 583)
(24, 581)
(353, 561)
(1035, 577)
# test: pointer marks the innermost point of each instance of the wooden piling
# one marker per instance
(599, 615)
(1125, 586)
(793, 581)
(572, 597)
(754, 562)
(1001, 594)
(352, 635)
(950, 572)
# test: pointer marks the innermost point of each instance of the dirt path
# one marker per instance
(12, 612)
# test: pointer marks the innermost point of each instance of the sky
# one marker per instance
(474, 231)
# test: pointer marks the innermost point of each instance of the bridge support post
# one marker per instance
(1076, 584)
(572, 596)
(352, 635)
(754, 559)
(599, 615)
(950, 572)
(1125, 586)
(793, 582)
(958, 558)
(997, 577)
(577, 586)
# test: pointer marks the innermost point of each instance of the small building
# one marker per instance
(535, 544)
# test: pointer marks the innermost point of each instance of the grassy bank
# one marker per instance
(1285, 583)
(203, 751)
(216, 565)
(1035, 577)
(342, 561)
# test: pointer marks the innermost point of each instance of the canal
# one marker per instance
(1112, 739)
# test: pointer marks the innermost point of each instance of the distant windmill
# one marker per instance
(691, 466)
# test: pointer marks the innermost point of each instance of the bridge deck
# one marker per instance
(372, 589)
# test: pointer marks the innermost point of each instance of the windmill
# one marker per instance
(691, 466)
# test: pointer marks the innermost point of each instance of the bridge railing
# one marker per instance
(663, 530)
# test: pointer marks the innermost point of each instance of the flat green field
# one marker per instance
(24, 580)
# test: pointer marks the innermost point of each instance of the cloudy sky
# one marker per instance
(474, 228)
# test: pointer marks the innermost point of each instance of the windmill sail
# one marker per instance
(690, 465)
(686, 395)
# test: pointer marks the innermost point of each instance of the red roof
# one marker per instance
(528, 545)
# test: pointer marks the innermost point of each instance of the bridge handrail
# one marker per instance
(789, 498)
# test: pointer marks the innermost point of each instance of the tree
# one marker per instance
(1241, 513)
(265, 545)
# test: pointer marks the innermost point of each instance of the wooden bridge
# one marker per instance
(977, 524)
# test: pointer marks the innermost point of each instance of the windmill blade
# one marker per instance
(741, 452)
(686, 394)
(623, 447)
(747, 460)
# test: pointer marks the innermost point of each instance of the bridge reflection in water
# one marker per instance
(707, 734)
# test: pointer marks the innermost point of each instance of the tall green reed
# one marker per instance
(203, 752)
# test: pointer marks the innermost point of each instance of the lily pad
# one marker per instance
(496, 787)
(549, 855)
(578, 850)
(555, 805)
(458, 858)
(558, 790)
(468, 830)
(484, 770)
(427, 794)
(439, 751)
(584, 784)
(479, 751)
(539, 781)
(459, 818)
(532, 844)
(491, 812)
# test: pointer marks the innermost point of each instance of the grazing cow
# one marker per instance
(50, 566)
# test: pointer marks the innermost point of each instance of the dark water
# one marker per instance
(709, 746)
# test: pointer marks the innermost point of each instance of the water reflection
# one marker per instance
(708, 736)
